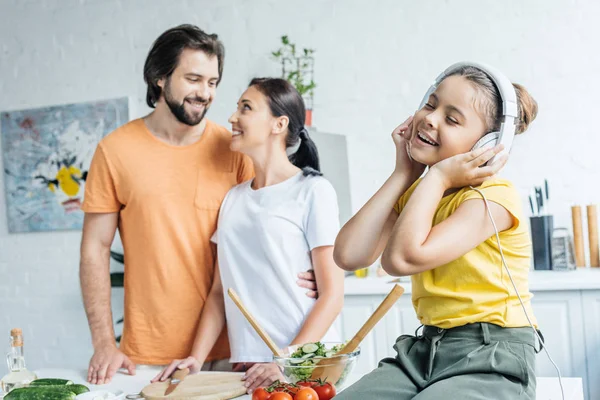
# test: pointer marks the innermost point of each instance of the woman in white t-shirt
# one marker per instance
(271, 228)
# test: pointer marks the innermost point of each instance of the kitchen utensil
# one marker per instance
(578, 236)
(176, 379)
(531, 205)
(261, 332)
(562, 250)
(333, 370)
(592, 217)
(542, 227)
(205, 386)
(296, 369)
(540, 200)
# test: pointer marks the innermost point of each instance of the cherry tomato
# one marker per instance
(260, 394)
(306, 393)
(325, 391)
(307, 383)
(280, 396)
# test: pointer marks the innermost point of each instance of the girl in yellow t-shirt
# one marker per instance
(476, 342)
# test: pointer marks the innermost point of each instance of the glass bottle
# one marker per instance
(18, 376)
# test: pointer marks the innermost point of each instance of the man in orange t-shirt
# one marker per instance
(161, 180)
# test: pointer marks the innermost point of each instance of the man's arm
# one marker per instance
(98, 233)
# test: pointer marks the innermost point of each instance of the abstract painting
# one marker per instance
(47, 152)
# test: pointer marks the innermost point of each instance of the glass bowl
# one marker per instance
(299, 369)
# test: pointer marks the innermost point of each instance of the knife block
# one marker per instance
(542, 228)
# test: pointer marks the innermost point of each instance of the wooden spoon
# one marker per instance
(261, 332)
(333, 371)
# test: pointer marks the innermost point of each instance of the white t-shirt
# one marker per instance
(264, 238)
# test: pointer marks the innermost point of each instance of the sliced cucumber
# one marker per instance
(310, 348)
(296, 361)
(329, 354)
(307, 356)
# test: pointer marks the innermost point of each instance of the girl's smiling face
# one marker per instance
(450, 123)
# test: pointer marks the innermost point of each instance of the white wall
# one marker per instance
(374, 60)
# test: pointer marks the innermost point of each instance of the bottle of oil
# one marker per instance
(18, 376)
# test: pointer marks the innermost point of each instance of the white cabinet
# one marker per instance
(591, 315)
(560, 318)
(568, 319)
(378, 344)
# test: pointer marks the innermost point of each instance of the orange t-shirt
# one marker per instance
(168, 199)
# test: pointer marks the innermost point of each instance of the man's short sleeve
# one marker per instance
(100, 190)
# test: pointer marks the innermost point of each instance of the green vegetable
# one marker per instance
(303, 360)
(41, 393)
(51, 382)
(77, 389)
(310, 347)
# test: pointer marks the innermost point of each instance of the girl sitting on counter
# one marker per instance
(477, 342)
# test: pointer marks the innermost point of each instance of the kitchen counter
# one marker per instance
(548, 388)
(122, 382)
(539, 281)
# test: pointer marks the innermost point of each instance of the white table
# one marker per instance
(547, 388)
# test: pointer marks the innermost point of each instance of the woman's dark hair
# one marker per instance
(284, 99)
(166, 50)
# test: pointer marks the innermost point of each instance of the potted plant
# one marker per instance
(298, 69)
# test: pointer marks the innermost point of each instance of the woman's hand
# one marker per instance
(404, 162)
(189, 362)
(262, 374)
(465, 169)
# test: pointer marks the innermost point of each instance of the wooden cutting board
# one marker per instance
(206, 386)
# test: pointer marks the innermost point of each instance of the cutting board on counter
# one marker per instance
(206, 386)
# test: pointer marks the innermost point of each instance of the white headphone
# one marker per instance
(509, 105)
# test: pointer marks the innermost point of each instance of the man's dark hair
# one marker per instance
(166, 50)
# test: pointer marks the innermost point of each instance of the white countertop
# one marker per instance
(580, 279)
(121, 382)
(547, 388)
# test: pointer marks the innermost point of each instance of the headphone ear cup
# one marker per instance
(488, 141)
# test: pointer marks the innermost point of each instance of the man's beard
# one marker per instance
(178, 109)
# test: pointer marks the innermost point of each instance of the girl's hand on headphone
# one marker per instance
(465, 169)
(404, 163)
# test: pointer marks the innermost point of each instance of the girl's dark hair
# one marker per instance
(166, 50)
(284, 99)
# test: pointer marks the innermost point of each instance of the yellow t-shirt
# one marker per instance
(476, 286)
(168, 199)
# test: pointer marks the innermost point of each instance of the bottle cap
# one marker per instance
(16, 337)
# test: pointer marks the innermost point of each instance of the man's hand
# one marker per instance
(309, 281)
(262, 374)
(105, 363)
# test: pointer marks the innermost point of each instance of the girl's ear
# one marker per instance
(280, 125)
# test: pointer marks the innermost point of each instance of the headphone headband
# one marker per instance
(504, 85)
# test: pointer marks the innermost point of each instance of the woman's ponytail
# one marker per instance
(307, 155)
